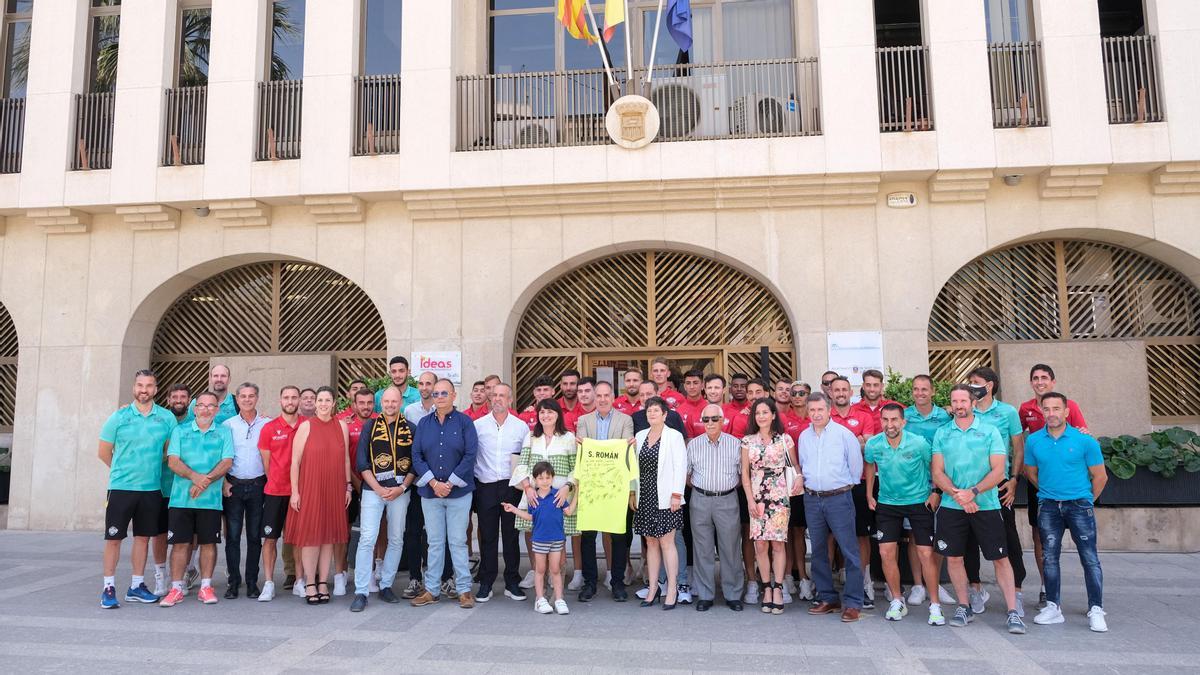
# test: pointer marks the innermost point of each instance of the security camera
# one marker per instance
(1013, 179)
(202, 211)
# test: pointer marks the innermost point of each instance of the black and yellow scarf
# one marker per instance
(390, 449)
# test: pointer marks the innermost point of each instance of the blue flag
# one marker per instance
(679, 23)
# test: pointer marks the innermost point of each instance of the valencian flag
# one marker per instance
(571, 15)
(679, 23)
(614, 15)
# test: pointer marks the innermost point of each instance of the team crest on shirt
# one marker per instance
(878, 535)
(267, 529)
(942, 545)
(170, 534)
(852, 422)
(112, 531)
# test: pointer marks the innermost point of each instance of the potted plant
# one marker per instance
(5, 473)
(1156, 469)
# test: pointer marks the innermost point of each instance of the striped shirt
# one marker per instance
(714, 467)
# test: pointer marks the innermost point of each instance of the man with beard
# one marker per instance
(585, 394)
(363, 406)
(631, 401)
(275, 445)
(218, 383)
(398, 371)
(568, 384)
(355, 387)
(754, 390)
(543, 388)
(714, 392)
(693, 402)
(862, 425)
(383, 460)
(872, 401)
(178, 397)
(737, 394)
(479, 400)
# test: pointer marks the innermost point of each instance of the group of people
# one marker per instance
(727, 489)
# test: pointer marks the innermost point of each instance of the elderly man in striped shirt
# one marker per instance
(713, 465)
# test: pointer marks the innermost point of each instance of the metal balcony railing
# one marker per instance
(187, 112)
(1016, 72)
(903, 77)
(376, 114)
(746, 99)
(12, 134)
(279, 112)
(93, 130)
(1131, 79)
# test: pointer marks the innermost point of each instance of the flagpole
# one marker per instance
(628, 49)
(612, 81)
(654, 44)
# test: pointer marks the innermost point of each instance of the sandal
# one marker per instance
(777, 608)
(768, 592)
(323, 598)
(314, 599)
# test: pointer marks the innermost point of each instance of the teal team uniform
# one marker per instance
(200, 450)
(1007, 421)
(411, 395)
(903, 472)
(925, 426)
(1063, 463)
(226, 409)
(967, 454)
(138, 441)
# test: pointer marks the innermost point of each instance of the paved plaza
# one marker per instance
(50, 621)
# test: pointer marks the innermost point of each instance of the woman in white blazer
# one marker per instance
(658, 502)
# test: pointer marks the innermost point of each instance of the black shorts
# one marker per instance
(743, 507)
(952, 525)
(274, 517)
(864, 517)
(203, 524)
(889, 523)
(353, 507)
(798, 521)
(1031, 508)
(164, 523)
(143, 509)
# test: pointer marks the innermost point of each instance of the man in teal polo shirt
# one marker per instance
(398, 371)
(218, 384)
(1067, 468)
(200, 454)
(991, 410)
(901, 460)
(923, 418)
(968, 464)
(132, 443)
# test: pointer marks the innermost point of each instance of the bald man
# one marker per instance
(713, 471)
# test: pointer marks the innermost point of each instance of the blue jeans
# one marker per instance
(1078, 516)
(681, 579)
(444, 518)
(370, 513)
(834, 514)
(243, 507)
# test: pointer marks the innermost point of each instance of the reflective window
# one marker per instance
(104, 43)
(18, 23)
(195, 25)
(287, 40)
(1009, 20)
(381, 37)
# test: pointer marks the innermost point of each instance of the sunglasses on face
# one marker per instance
(799, 392)
(440, 394)
(707, 420)
(826, 383)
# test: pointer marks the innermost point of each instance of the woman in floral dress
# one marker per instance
(766, 451)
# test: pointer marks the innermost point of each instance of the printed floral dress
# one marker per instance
(769, 486)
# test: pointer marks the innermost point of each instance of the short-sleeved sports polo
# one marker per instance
(138, 442)
(201, 451)
(903, 472)
(925, 426)
(967, 454)
(1063, 462)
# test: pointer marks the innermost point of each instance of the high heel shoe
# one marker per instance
(323, 598)
(650, 599)
(670, 606)
(768, 597)
(315, 598)
(777, 608)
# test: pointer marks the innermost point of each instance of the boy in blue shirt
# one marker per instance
(549, 537)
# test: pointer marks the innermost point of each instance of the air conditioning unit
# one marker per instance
(756, 114)
(1163, 304)
(538, 132)
(691, 107)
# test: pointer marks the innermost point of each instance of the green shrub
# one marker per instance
(1163, 452)
(375, 383)
(899, 389)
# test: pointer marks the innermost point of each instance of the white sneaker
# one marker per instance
(787, 597)
(268, 592)
(160, 585)
(979, 600)
(808, 589)
(1096, 620)
(560, 607)
(916, 596)
(1051, 613)
(1020, 604)
(869, 591)
(339, 583)
(608, 581)
(935, 615)
(527, 582)
(542, 607)
(298, 589)
(896, 610)
(946, 597)
(576, 581)
(683, 594)
(751, 597)
(643, 592)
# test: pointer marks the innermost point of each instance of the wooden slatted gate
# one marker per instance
(651, 302)
(8, 370)
(270, 308)
(1073, 290)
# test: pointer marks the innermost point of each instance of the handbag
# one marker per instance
(789, 473)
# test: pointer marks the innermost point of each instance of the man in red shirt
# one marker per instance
(872, 401)
(693, 403)
(660, 373)
(714, 392)
(630, 402)
(479, 401)
(363, 405)
(793, 411)
(756, 389)
(795, 421)
(568, 384)
(355, 387)
(585, 395)
(543, 388)
(737, 391)
(862, 425)
(1041, 380)
(275, 446)
(827, 379)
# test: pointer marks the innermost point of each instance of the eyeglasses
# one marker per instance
(206, 405)
(706, 420)
(799, 392)
(440, 394)
(826, 383)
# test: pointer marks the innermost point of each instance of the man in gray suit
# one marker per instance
(605, 423)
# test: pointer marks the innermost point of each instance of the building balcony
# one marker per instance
(746, 99)
(1131, 79)
(94, 117)
(902, 74)
(376, 115)
(279, 115)
(186, 112)
(1018, 98)
(12, 134)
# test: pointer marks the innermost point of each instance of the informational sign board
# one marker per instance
(852, 352)
(442, 364)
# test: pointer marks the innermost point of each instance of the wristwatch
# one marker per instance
(975, 490)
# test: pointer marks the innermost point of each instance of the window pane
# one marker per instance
(105, 3)
(757, 29)
(105, 42)
(383, 37)
(19, 6)
(579, 55)
(668, 51)
(194, 31)
(287, 40)
(521, 4)
(523, 43)
(1009, 20)
(16, 60)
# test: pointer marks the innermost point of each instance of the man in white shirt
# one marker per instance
(501, 436)
(244, 485)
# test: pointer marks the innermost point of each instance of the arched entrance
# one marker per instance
(8, 371)
(1065, 290)
(270, 308)
(625, 309)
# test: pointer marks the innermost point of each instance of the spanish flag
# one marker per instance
(571, 15)
(614, 14)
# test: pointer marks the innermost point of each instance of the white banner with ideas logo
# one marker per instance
(442, 364)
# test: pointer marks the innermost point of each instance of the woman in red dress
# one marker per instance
(320, 494)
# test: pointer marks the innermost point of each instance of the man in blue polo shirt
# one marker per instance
(132, 443)
(968, 464)
(398, 371)
(444, 449)
(923, 418)
(1067, 468)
